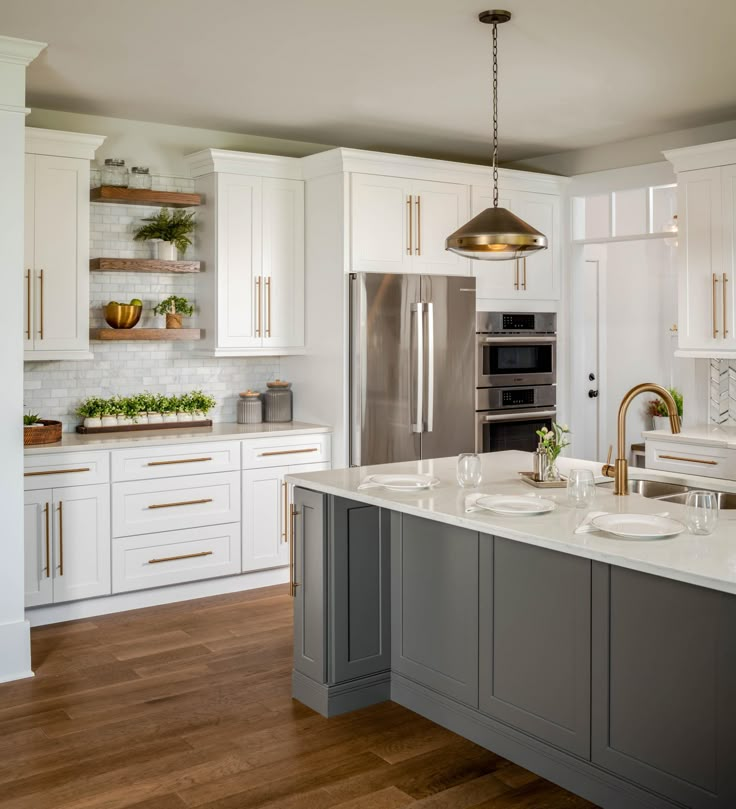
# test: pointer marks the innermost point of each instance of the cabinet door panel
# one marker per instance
(239, 252)
(380, 217)
(434, 598)
(540, 272)
(29, 276)
(82, 542)
(664, 685)
(61, 236)
(535, 641)
(37, 546)
(495, 279)
(265, 523)
(283, 262)
(728, 276)
(439, 210)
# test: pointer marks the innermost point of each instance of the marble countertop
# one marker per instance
(708, 561)
(707, 435)
(220, 431)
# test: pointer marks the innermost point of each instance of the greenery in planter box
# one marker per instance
(169, 227)
(201, 401)
(173, 305)
(92, 408)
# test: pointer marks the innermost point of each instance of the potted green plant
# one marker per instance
(553, 442)
(90, 410)
(108, 412)
(169, 406)
(154, 408)
(40, 431)
(201, 404)
(184, 408)
(174, 308)
(171, 229)
(657, 409)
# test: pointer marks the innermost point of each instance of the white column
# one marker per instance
(15, 645)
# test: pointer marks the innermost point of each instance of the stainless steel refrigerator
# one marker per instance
(412, 367)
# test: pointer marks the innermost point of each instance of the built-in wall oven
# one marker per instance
(516, 392)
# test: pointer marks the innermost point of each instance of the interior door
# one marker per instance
(439, 210)
(283, 262)
(449, 374)
(39, 587)
(60, 238)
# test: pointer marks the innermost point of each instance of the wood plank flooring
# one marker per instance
(188, 705)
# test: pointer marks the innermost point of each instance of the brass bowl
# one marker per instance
(122, 315)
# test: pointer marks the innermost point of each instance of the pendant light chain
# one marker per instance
(495, 115)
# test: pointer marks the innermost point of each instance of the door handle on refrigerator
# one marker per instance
(430, 366)
(418, 425)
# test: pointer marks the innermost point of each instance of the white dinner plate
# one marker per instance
(638, 526)
(404, 483)
(515, 504)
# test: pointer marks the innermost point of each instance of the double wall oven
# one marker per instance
(516, 391)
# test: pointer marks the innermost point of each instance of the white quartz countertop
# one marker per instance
(708, 561)
(221, 431)
(707, 435)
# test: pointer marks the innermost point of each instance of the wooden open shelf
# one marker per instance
(142, 265)
(143, 196)
(145, 334)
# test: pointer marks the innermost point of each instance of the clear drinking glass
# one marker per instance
(580, 488)
(702, 512)
(468, 470)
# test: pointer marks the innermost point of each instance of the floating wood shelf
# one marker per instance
(143, 196)
(145, 334)
(141, 265)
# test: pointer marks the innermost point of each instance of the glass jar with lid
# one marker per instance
(139, 177)
(114, 173)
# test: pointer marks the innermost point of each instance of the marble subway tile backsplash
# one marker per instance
(723, 392)
(54, 389)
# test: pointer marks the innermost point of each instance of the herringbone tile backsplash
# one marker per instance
(723, 391)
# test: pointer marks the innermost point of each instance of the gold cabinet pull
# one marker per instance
(268, 306)
(182, 460)
(293, 584)
(28, 305)
(47, 568)
(287, 452)
(715, 305)
(285, 526)
(687, 460)
(418, 250)
(258, 306)
(40, 330)
(523, 283)
(55, 472)
(410, 225)
(724, 293)
(176, 558)
(61, 539)
(181, 503)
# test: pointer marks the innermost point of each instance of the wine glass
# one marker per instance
(469, 470)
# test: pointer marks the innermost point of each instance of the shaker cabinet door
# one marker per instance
(37, 529)
(265, 518)
(439, 210)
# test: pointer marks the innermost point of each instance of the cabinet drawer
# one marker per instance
(65, 469)
(141, 463)
(286, 451)
(172, 504)
(690, 459)
(155, 560)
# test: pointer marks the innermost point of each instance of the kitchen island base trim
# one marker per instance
(333, 700)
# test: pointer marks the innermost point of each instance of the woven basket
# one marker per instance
(48, 434)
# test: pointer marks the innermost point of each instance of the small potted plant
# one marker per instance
(184, 408)
(201, 404)
(657, 409)
(169, 406)
(90, 410)
(174, 308)
(154, 408)
(553, 442)
(122, 411)
(108, 412)
(171, 229)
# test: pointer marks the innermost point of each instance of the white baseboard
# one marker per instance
(15, 651)
(122, 602)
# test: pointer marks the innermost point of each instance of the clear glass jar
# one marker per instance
(139, 177)
(114, 173)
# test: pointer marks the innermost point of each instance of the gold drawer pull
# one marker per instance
(687, 460)
(288, 452)
(293, 583)
(176, 558)
(181, 503)
(55, 472)
(183, 460)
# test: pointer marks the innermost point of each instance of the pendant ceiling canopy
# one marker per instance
(496, 234)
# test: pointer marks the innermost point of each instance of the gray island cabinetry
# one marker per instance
(616, 684)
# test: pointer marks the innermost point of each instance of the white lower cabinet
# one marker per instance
(67, 544)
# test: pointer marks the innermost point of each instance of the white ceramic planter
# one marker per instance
(93, 422)
(109, 421)
(198, 415)
(155, 418)
(661, 423)
(124, 421)
(166, 251)
(169, 418)
(184, 417)
(141, 418)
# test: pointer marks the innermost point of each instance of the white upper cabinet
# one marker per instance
(706, 248)
(251, 237)
(56, 262)
(400, 225)
(536, 277)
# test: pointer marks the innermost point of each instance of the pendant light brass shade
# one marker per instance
(496, 235)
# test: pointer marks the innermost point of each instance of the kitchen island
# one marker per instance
(605, 665)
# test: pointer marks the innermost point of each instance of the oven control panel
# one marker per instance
(517, 397)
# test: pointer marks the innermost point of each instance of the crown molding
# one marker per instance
(62, 144)
(208, 161)
(704, 156)
(19, 51)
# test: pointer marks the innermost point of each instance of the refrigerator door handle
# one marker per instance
(418, 425)
(430, 366)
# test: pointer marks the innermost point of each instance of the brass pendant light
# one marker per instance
(496, 234)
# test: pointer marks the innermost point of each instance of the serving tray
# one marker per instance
(528, 477)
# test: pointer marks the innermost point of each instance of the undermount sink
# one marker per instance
(676, 492)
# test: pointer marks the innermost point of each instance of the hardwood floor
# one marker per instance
(188, 705)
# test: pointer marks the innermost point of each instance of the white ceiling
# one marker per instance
(410, 76)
